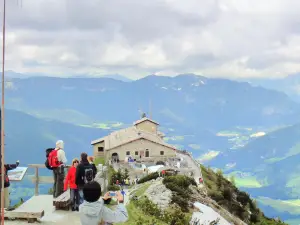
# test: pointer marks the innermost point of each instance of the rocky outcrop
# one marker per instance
(199, 196)
(159, 194)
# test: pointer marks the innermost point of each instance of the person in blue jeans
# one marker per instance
(123, 193)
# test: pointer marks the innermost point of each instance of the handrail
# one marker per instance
(40, 179)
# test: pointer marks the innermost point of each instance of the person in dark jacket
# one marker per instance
(7, 167)
(85, 173)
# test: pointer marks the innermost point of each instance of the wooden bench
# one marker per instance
(63, 201)
(31, 217)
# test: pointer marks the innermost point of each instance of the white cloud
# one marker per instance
(228, 38)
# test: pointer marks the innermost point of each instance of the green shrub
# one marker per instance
(181, 201)
(228, 194)
(223, 192)
(180, 180)
(254, 218)
(216, 195)
(143, 221)
(120, 175)
(151, 176)
(173, 216)
(243, 198)
(99, 160)
(148, 207)
(179, 190)
(179, 185)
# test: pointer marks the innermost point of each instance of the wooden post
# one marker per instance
(36, 191)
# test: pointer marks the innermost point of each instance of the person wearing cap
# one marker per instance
(58, 162)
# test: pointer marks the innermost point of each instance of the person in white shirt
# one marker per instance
(58, 166)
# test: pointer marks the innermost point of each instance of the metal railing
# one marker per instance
(37, 179)
(198, 164)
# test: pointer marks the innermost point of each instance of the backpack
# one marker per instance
(53, 160)
(47, 163)
(88, 175)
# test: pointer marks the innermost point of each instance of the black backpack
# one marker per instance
(88, 174)
(48, 150)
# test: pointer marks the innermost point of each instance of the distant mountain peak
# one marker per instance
(118, 77)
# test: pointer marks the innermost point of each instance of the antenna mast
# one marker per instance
(2, 115)
(150, 109)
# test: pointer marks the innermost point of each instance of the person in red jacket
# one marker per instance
(70, 183)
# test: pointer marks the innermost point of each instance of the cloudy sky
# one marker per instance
(224, 38)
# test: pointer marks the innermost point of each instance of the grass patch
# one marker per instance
(135, 214)
(99, 160)
(142, 190)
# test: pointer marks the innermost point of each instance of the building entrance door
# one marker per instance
(142, 154)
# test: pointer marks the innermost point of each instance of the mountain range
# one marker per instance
(249, 131)
(270, 170)
(289, 84)
(27, 137)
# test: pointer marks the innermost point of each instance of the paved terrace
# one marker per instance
(39, 203)
(51, 216)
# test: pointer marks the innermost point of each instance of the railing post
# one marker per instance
(36, 191)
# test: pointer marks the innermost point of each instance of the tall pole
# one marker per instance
(150, 109)
(2, 116)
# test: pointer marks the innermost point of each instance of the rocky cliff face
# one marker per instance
(159, 194)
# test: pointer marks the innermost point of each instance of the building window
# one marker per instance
(136, 153)
(100, 149)
(147, 153)
(128, 153)
(162, 152)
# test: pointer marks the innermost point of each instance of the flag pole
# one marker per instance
(2, 115)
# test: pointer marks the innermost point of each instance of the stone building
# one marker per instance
(140, 141)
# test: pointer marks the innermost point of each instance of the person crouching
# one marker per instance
(70, 183)
(93, 211)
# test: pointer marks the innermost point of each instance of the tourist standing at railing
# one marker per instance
(7, 167)
(85, 173)
(91, 161)
(70, 183)
(57, 160)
